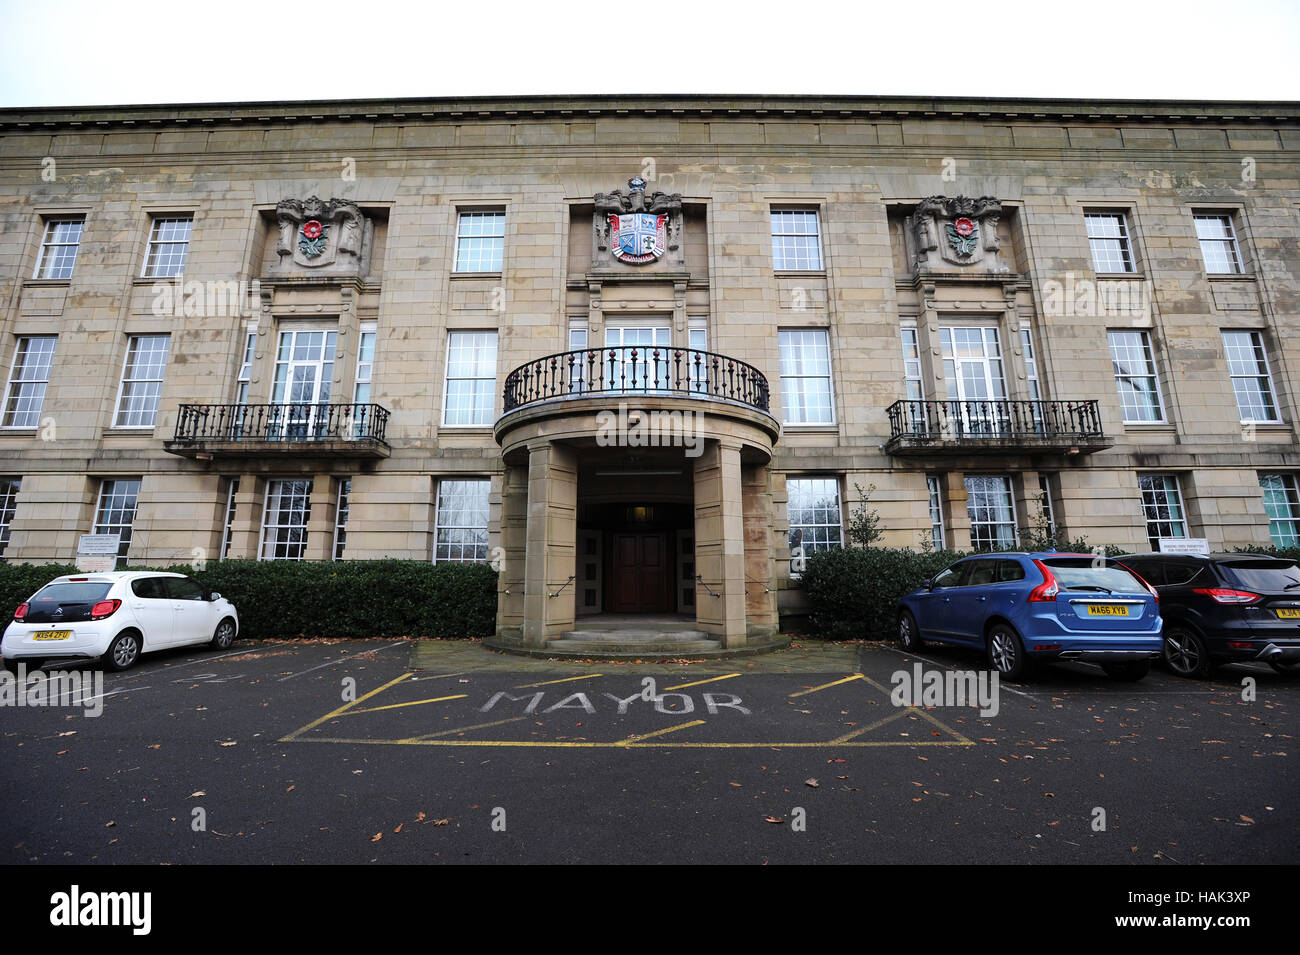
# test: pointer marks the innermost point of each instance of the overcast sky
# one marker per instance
(70, 52)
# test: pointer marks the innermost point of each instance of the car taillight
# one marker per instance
(1224, 595)
(21, 612)
(105, 608)
(1046, 591)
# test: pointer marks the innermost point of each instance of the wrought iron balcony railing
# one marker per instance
(280, 423)
(636, 370)
(1001, 423)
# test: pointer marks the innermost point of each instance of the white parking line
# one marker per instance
(204, 658)
(940, 663)
(341, 659)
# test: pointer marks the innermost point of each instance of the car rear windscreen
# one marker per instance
(1079, 573)
(88, 591)
(1266, 576)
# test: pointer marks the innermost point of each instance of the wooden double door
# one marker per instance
(640, 572)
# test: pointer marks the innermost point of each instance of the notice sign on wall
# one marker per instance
(97, 552)
(1184, 545)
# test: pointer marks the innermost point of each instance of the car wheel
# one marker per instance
(1291, 668)
(225, 635)
(123, 651)
(909, 637)
(1185, 653)
(1007, 654)
(1128, 672)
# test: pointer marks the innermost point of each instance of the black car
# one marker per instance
(1225, 608)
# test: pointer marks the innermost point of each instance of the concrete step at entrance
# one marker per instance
(634, 636)
(631, 648)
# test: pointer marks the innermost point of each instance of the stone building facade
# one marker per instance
(641, 352)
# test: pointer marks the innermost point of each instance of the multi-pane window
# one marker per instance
(169, 243)
(1046, 506)
(365, 364)
(480, 241)
(1031, 365)
(341, 517)
(577, 341)
(1162, 507)
(992, 512)
(935, 489)
(1251, 381)
(284, 520)
(245, 367)
(115, 512)
(1135, 376)
(1109, 242)
(911, 362)
(698, 340)
(1218, 241)
(9, 487)
(1282, 504)
(228, 525)
(461, 521)
(813, 509)
(471, 378)
(796, 242)
(28, 376)
(142, 379)
(806, 376)
(59, 244)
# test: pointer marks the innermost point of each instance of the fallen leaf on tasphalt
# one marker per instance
(441, 822)
(775, 819)
(420, 817)
(811, 782)
(376, 837)
(230, 743)
(1247, 820)
(399, 828)
(291, 789)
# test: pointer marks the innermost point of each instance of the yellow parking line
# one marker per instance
(867, 729)
(847, 679)
(567, 679)
(344, 708)
(947, 729)
(712, 679)
(569, 744)
(459, 729)
(397, 706)
(671, 729)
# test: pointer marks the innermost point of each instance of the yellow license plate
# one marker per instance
(1107, 610)
(53, 635)
(1288, 613)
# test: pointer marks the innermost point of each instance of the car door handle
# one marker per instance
(981, 599)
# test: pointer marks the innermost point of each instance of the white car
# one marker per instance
(117, 616)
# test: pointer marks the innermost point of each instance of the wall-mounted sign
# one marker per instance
(1184, 545)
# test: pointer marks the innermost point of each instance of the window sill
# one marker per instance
(19, 432)
(1118, 276)
(799, 273)
(1148, 426)
(47, 283)
(820, 428)
(155, 279)
(475, 275)
(1230, 276)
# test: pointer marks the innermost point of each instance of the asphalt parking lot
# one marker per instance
(407, 752)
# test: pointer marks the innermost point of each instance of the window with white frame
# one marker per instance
(115, 512)
(169, 244)
(28, 375)
(1282, 504)
(806, 376)
(992, 512)
(1251, 381)
(245, 375)
(471, 378)
(577, 371)
(480, 241)
(9, 488)
(935, 488)
(59, 245)
(796, 240)
(1162, 507)
(813, 509)
(460, 521)
(1046, 506)
(228, 525)
(911, 362)
(341, 517)
(1218, 239)
(1109, 241)
(1134, 366)
(284, 520)
(698, 341)
(365, 363)
(142, 380)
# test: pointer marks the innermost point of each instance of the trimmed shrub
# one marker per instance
(356, 599)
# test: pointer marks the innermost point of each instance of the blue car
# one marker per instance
(1023, 608)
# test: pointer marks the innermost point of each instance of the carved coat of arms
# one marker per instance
(635, 228)
(957, 231)
(315, 233)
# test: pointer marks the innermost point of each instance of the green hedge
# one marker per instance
(277, 599)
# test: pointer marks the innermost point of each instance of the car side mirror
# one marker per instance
(214, 597)
(928, 584)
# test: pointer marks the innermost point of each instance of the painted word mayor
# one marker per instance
(663, 702)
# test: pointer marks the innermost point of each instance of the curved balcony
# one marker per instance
(636, 370)
(356, 430)
(996, 426)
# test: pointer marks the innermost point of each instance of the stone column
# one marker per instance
(958, 516)
(550, 548)
(320, 525)
(760, 577)
(514, 537)
(720, 543)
